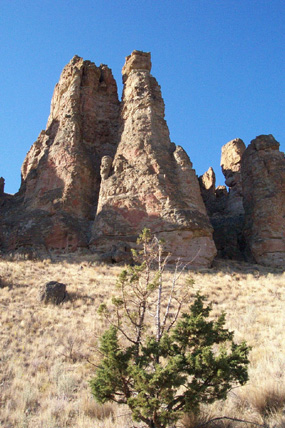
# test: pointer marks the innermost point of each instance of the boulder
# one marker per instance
(52, 292)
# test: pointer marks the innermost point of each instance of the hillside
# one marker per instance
(48, 352)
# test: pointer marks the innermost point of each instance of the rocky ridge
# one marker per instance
(103, 170)
(249, 218)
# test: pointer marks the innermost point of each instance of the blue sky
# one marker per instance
(220, 64)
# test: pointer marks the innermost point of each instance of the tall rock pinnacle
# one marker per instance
(263, 182)
(61, 171)
(151, 182)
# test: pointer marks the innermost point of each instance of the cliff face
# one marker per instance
(249, 218)
(103, 170)
(60, 174)
(61, 170)
(151, 182)
(263, 184)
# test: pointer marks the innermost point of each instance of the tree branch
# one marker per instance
(230, 419)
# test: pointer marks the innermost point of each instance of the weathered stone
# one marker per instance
(138, 60)
(152, 183)
(2, 185)
(104, 170)
(225, 208)
(231, 167)
(207, 183)
(263, 180)
(61, 173)
(106, 164)
(52, 292)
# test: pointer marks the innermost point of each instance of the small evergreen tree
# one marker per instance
(159, 364)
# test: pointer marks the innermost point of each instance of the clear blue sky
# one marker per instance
(220, 64)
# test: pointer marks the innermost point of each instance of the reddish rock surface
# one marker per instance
(263, 180)
(151, 182)
(103, 170)
(61, 172)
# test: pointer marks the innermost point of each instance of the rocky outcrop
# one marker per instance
(231, 167)
(225, 208)
(103, 170)
(61, 172)
(207, 183)
(2, 185)
(151, 182)
(249, 218)
(263, 182)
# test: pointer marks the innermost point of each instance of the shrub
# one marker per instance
(169, 366)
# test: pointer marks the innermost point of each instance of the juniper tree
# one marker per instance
(159, 362)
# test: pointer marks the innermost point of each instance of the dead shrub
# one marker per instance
(268, 399)
(97, 411)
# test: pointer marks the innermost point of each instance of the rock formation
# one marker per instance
(2, 185)
(61, 171)
(151, 182)
(263, 183)
(231, 167)
(207, 183)
(94, 145)
(249, 219)
(60, 175)
(103, 170)
(225, 208)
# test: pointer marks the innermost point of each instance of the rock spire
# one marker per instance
(151, 182)
(263, 184)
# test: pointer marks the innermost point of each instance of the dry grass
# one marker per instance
(44, 349)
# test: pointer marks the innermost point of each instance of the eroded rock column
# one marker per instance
(225, 208)
(263, 182)
(151, 182)
(61, 172)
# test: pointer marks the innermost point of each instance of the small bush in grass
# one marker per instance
(268, 399)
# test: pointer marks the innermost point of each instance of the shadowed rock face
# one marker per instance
(231, 167)
(2, 186)
(225, 208)
(151, 182)
(263, 182)
(249, 219)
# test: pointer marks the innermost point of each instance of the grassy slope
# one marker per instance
(44, 350)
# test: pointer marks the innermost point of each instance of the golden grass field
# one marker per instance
(47, 351)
